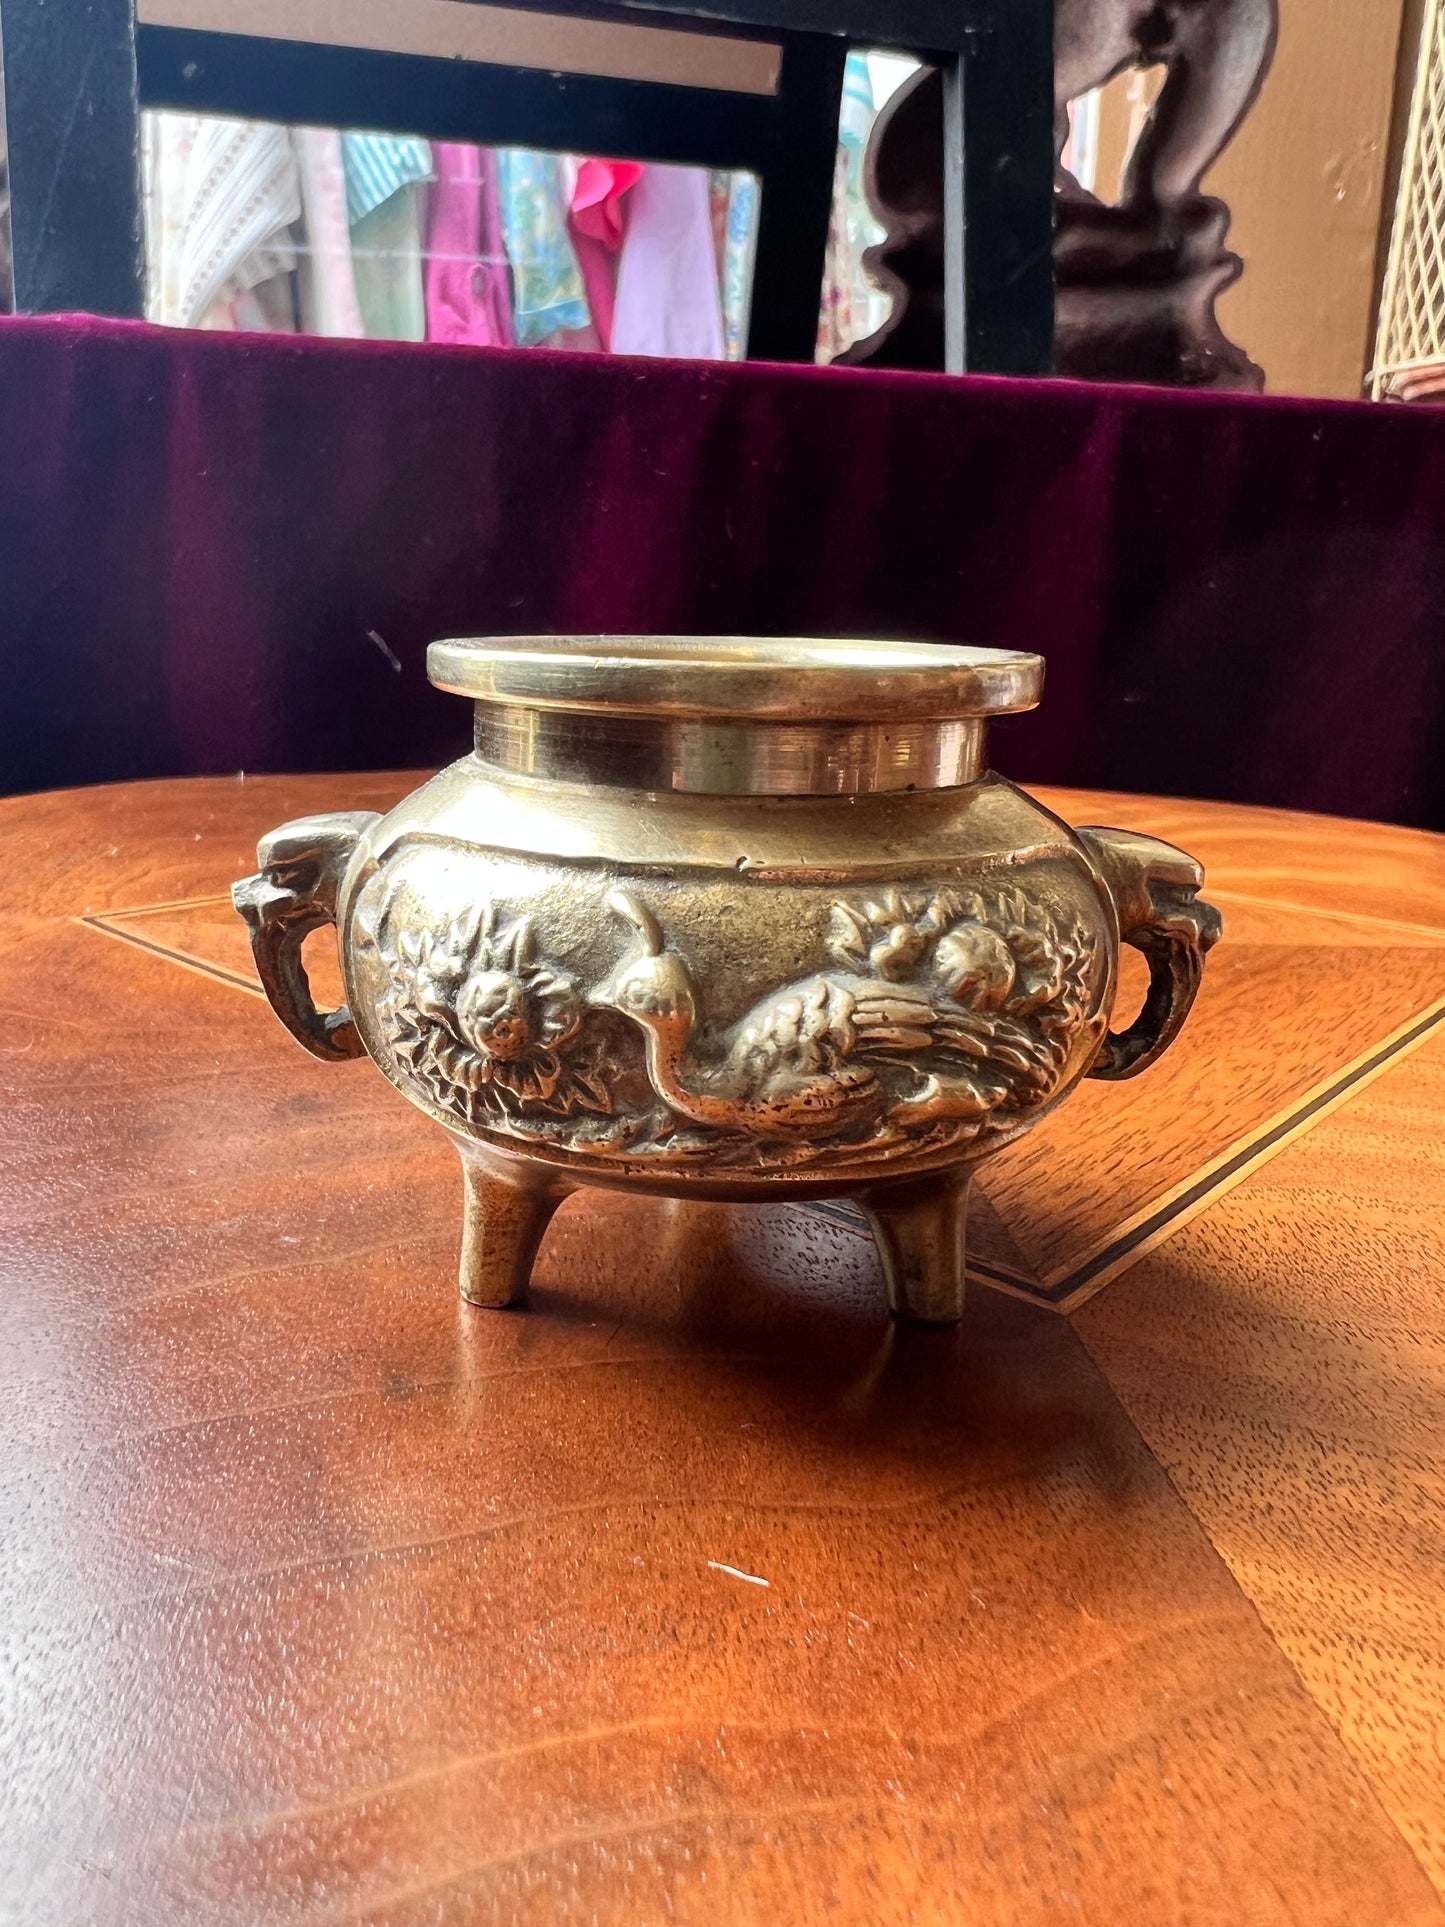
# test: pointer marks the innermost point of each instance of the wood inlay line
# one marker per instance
(187, 962)
(1001, 1631)
(1432, 932)
(852, 1220)
(165, 909)
(1074, 1286)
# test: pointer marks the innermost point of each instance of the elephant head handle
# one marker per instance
(302, 865)
(1156, 896)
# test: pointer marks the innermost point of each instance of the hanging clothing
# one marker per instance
(379, 166)
(852, 307)
(597, 223)
(220, 198)
(719, 187)
(740, 248)
(385, 207)
(5, 260)
(468, 288)
(269, 308)
(667, 283)
(386, 262)
(1423, 382)
(835, 313)
(327, 283)
(548, 294)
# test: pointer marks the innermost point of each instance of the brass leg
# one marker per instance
(919, 1230)
(502, 1226)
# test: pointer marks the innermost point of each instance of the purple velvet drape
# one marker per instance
(201, 536)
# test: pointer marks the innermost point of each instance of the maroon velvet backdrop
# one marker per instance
(201, 534)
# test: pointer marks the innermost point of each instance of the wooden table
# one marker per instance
(700, 1593)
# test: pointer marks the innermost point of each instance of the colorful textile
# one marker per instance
(468, 288)
(378, 166)
(386, 263)
(268, 309)
(220, 197)
(1424, 381)
(835, 312)
(667, 283)
(548, 293)
(5, 261)
(327, 282)
(597, 223)
(740, 247)
(719, 193)
(851, 307)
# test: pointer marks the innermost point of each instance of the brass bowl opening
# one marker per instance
(735, 715)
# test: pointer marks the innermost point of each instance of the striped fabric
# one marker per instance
(221, 197)
(378, 166)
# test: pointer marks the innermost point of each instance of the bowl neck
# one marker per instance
(741, 756)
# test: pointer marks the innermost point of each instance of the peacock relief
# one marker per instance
(942, 1007)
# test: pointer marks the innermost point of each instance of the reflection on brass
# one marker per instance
(729, 919)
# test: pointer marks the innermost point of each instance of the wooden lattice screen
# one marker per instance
(1410, 344)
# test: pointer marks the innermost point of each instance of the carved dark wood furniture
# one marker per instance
(1137, 279)
(77, 73)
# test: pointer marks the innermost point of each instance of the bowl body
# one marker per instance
(727, 995)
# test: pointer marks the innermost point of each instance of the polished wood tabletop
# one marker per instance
(698, 1592)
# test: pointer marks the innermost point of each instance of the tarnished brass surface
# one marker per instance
(713, 756)
(732, 715)
(729, 956)
(766, 679)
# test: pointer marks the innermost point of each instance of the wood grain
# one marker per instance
(699, 1593)
(1294, 1387)
(1288, 1000)
(1281, 857)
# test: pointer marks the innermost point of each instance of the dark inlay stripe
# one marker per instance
(849, 1218)
(218, 971)
(1109, 1254)
(1122, 1246)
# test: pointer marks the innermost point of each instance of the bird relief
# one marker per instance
(941, 1014)
(942, 1008)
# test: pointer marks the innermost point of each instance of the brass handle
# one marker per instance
(302, 865)
(1156, 893)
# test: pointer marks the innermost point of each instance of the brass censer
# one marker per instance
(731, 919)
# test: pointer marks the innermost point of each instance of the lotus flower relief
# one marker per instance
(486, 1025)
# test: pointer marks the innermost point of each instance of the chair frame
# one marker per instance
(79, 72)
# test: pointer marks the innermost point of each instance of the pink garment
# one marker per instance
(597, 223)
(468, 288)
(327, 283)
(667, 290)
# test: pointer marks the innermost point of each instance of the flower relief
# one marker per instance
(936, 1009)
(1013, 983)
(486, 1025)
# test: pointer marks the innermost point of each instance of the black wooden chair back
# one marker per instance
(754, 85)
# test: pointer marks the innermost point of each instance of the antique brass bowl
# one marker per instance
(730, 919)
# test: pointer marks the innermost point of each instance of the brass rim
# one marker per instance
(797, 680)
